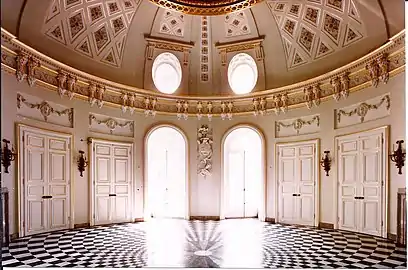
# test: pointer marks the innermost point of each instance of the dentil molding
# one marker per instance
(378, 66)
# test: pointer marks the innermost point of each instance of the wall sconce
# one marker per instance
(326, 162)
(82, 162)
(398, 156)
(7, 155)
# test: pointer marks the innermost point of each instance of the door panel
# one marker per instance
(296, 183)
(236, 185)
(46, 172)
(112, 189)
(360, 179)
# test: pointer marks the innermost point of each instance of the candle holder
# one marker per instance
(82, 162)
(7, 155)
(398, 156)
(326, 162)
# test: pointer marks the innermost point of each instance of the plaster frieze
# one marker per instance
(362, 109)
(302, 125)
(46, 109)
(109, 125)
(205, 150)
(384, 63)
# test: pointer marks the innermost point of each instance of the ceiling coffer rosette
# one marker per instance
(206, 7)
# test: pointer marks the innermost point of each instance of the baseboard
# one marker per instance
(204, 218)
(139, 220)
(81, 225)
(270, 219)
(392, 236)
(325, 225)
(13, 236)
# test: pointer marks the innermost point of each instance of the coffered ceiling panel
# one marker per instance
(314, 29)
(94, 28)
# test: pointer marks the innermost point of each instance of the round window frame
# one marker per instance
(171, 60)
(239, 60)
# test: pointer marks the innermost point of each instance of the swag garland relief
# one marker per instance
(359, 113)
(46, 110)
(109, 125)
(297, 126)
(205, 150)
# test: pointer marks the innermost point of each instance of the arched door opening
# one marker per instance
(243, 177)
(166, 168)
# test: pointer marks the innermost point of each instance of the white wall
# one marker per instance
(205, 193)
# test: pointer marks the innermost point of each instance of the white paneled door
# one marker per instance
(111, 178)
(297, 175)
(361, 173)
(45, 176)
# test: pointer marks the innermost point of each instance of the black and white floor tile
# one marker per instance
(229, 243)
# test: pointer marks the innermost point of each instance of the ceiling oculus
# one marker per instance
(242, 73)
(206, 7)
(166, 73)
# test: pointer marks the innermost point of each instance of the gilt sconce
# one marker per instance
(398, 156)
(7, 155)
(82, 162)
(326, 162)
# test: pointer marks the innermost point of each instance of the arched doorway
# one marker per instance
(243, 163)
(166, 185)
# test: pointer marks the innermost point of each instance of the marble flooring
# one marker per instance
(229, 243)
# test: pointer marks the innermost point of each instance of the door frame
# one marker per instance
(385, 130)
(91, 157)
(20, 128)
(146, 212)
(263, 189)
(316, 142)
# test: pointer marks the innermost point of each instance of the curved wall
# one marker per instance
(205, 192)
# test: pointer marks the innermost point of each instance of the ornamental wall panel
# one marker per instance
(297, 126)
(32, 107)
(110, 125)
(369, 110)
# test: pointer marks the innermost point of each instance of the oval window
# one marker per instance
(242, 73)
(166, 73)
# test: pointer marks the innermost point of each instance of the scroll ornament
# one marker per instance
(362, 109)
(205, 151)
(45, 109)
(299, 123)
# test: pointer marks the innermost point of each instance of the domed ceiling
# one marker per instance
(291, 40)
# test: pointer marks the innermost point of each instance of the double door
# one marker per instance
(361, 173)
(45, 166)
(297, 181)
(111, 182)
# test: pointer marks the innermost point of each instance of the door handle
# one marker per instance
(46, 197)
(296, 195)
(112, 195)
(359, 198)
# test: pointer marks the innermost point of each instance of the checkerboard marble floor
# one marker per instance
(227, 243)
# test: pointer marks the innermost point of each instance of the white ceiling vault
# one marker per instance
(314, 29)
(94, 28)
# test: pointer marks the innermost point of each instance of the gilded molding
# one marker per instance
(111, 123)
(383, 63)
(362, 109)
(196, 7)
(298, 123)
(45, 109)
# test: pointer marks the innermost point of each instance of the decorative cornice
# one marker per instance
(388, 61)
(362, 109)
(240, 45)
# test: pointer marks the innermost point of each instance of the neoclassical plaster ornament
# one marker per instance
(96, 92)
(205, 151)
(280, 102)
(45, 109)
(150, 105)
(111, 123)
(124, 98)
(384, 65)
(209, 110)
(182, 109)
(340, 85)
(226, 110)
(298, 123)
(22, 60)
(259, 106)
(29, 63)
(362, 109)
(374, 71)
(61, 78)
(199, 110)
(32, 64)
(71, 81)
